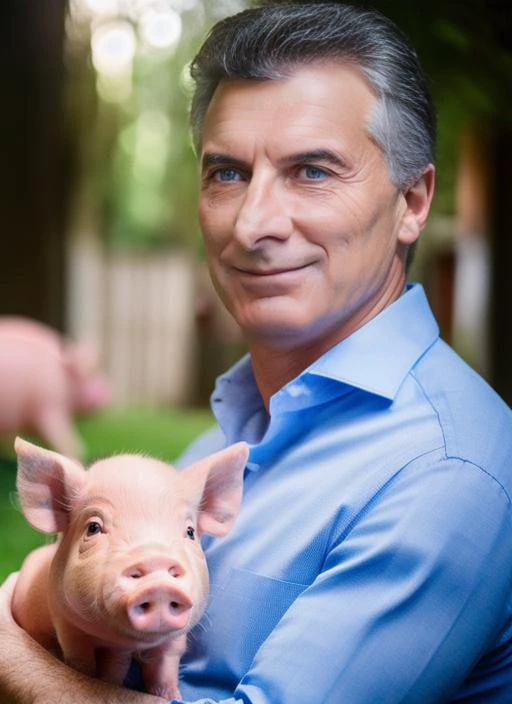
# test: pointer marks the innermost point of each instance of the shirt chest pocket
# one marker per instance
(241, 614)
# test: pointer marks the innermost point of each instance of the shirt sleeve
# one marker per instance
(410, 597)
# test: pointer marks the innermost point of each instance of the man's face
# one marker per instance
(305, 233)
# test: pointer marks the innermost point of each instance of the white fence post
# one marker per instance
(139, 309)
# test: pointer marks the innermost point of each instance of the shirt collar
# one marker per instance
(376, 358)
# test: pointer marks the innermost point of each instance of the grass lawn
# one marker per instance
(163, 433)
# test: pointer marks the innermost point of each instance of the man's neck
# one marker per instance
(273, 368)
(275, 363)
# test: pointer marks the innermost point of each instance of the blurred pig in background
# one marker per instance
(45, 380)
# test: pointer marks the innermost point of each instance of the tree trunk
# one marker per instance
(33, 172)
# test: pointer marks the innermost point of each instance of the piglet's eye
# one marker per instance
(93, 528)
(191, 533)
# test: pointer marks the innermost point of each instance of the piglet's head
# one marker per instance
(49, 484)
(129, 566)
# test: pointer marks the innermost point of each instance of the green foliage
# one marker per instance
(161, 432)
(18, 538)
(152, 185)
(137, 160)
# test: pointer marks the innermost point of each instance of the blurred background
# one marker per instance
(98, 193)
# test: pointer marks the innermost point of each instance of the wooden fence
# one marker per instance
(138, 309)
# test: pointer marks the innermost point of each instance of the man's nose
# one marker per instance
(263, 215)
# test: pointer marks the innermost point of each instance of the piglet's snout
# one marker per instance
(157, 601)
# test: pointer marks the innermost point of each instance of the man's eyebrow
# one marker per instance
(215, 159)
(325, 155)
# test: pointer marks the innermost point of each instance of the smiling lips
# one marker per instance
(267, 273)
(271, 282)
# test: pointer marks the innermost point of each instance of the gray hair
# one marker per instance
(270, 42)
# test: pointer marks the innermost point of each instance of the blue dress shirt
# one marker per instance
(372, 560)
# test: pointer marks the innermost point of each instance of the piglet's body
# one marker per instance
(127, 577)
(46, 379)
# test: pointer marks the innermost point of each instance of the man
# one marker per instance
(372, 559)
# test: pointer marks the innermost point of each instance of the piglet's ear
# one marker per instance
(47, 484)
(221, 476)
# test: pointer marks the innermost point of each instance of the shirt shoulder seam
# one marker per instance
(432, 406)
(367, 506)
(481, 469)
(453, 456)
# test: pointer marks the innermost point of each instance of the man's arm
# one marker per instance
(412, 594)
(31, 675)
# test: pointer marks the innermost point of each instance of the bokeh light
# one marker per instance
(113, 47)
(160, 29)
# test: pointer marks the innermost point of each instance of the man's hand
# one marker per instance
(6, 592)
(31, 675)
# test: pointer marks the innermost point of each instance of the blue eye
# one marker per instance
(227, 174)
(314, 173)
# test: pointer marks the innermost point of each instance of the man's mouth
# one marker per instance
(270, 271)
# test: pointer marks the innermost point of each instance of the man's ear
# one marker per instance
(418, 198)
(47, 484)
